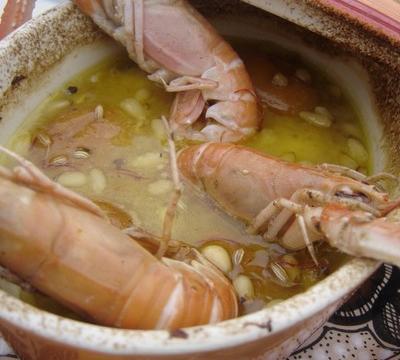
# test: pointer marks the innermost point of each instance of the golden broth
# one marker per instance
(101, 135)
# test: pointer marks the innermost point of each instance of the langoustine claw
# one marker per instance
(171, 41)
(296, 204)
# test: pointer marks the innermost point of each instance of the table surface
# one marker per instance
(366, 327)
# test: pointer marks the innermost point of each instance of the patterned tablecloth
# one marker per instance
(365, 328)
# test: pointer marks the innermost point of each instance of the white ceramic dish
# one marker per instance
(46, 52)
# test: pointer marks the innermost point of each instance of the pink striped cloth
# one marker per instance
(381, 15)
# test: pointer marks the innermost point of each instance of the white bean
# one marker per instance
(316, 119)
(348, 161)
(57, 105)
(357, 151)
(158, 129)
(349, 129)
(159, 187)
(218, 256)
(72, 179)
(142, 95)
(303, 75)
(147, 160)
(22, 144)
(134, 108)
(98, 180)
(280, 80)
(323, 111)
(244, 287)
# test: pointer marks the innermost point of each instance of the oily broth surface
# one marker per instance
(120, 153)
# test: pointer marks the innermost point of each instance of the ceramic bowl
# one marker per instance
(46, 52)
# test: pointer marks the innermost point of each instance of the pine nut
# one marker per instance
(99, 112)
(244, 287)
(134, 108)
(159, 187)
(72, 179)
(315, 119)
(218, 256)
(98, 180)
(357, 151)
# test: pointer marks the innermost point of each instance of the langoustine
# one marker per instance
(170, 40)
(15, 13)
(297, 204)
(87, 264)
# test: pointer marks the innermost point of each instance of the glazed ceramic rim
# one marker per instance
(225, 334)
(231, 333)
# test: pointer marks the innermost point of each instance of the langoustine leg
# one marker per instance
(296, 204)
(171, 41)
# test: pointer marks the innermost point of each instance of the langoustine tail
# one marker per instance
(15, 14)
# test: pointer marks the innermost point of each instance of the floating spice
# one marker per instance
(81, 153)
(279, 272)
(59, 160)
(72, 89)
(43, 139)
(238, 256)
